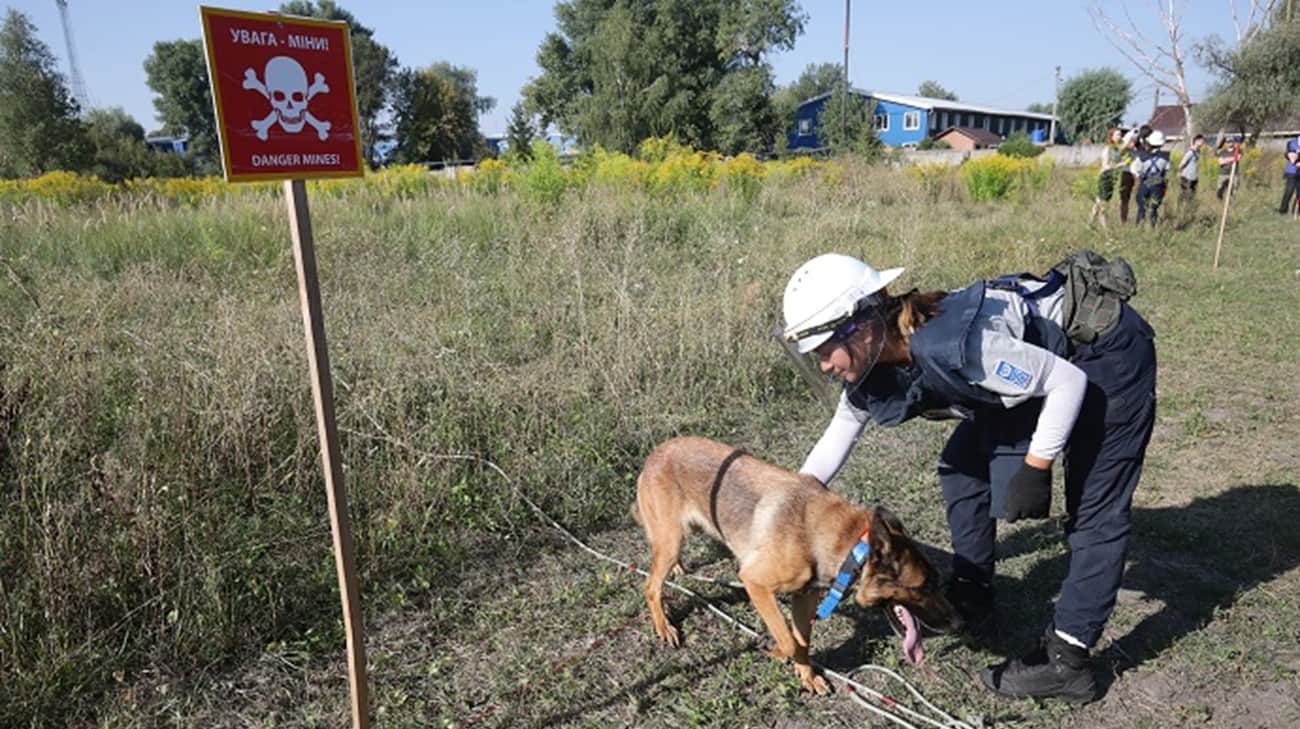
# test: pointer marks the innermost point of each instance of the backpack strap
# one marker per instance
(1012, 282)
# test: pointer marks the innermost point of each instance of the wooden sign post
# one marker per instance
(286, 109)
(322, 390)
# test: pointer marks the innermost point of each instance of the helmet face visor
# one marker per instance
(845, 353)
(821, 385)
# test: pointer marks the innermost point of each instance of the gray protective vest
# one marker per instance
(894, 394)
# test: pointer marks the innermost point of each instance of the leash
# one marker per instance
(855, 690)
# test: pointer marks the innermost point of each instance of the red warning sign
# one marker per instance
(284, 96)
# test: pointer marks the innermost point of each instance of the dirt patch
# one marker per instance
(1170, 699)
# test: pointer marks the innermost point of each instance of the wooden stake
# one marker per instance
(322, 388)
(1232, 178)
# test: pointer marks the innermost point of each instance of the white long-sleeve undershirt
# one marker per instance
(1062, 391)
(826, 458)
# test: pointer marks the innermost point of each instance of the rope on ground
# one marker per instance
(854, 688)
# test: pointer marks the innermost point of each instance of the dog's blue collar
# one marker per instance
(849, 570)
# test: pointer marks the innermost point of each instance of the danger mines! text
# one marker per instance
(292, 159)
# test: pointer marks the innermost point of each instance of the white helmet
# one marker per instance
(824, 293)
(1156, 138)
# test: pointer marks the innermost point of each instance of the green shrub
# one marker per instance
(543, 178)
(1019, 145)
(996, 177)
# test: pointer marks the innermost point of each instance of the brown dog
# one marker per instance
(790, 534)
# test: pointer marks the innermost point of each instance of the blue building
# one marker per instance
(169, 144)
(903, 121)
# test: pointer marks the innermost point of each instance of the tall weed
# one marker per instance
(998, 177)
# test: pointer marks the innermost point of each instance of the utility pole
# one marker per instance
(1051, 135)
(844, 101)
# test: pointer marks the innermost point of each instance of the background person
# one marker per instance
(1228, 155)
(1189, 174)
(1289, 174)
(993, 354)
(1133, 143)
(1112, 160)
(1153, 176)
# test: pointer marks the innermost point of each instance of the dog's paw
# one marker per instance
(668, 634)
(677, 570)
(779, 653)
(810, 681)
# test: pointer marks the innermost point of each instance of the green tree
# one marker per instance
(1258, 84)
(178, 73)
(846, 123)
(1040, 107)
(1093, 101)
(435, 114)
(934, 90)
(39, 129)
(374, 67)
(617, 72)
(520, 132)
(815, 80)
(120, 151)
(742, 114)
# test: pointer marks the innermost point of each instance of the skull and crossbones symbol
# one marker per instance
(287, 90)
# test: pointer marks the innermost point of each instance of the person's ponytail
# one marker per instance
(910, 311)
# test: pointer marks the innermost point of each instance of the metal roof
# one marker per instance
(929, 104)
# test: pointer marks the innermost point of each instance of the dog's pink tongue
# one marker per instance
(912, 649)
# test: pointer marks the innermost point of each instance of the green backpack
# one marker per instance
(1094, 290)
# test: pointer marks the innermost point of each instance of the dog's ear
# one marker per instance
(885, 518)
(883, 527)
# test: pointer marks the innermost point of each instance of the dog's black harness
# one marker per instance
(849, 570)
(717, 486)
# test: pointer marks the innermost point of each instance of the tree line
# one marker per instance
(613, 73)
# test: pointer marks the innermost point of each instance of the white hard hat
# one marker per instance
(1156, 138)
(825, 292)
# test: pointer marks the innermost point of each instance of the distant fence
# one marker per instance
(1064, 155)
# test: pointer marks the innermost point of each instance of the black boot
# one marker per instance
(1055, 669)
(972, 600)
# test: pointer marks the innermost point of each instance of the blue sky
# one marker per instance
(995, 54)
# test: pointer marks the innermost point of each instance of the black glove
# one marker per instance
(1029, 493)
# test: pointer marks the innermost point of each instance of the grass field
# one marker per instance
(164, 549)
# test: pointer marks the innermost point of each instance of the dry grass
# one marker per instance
(164, 556)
